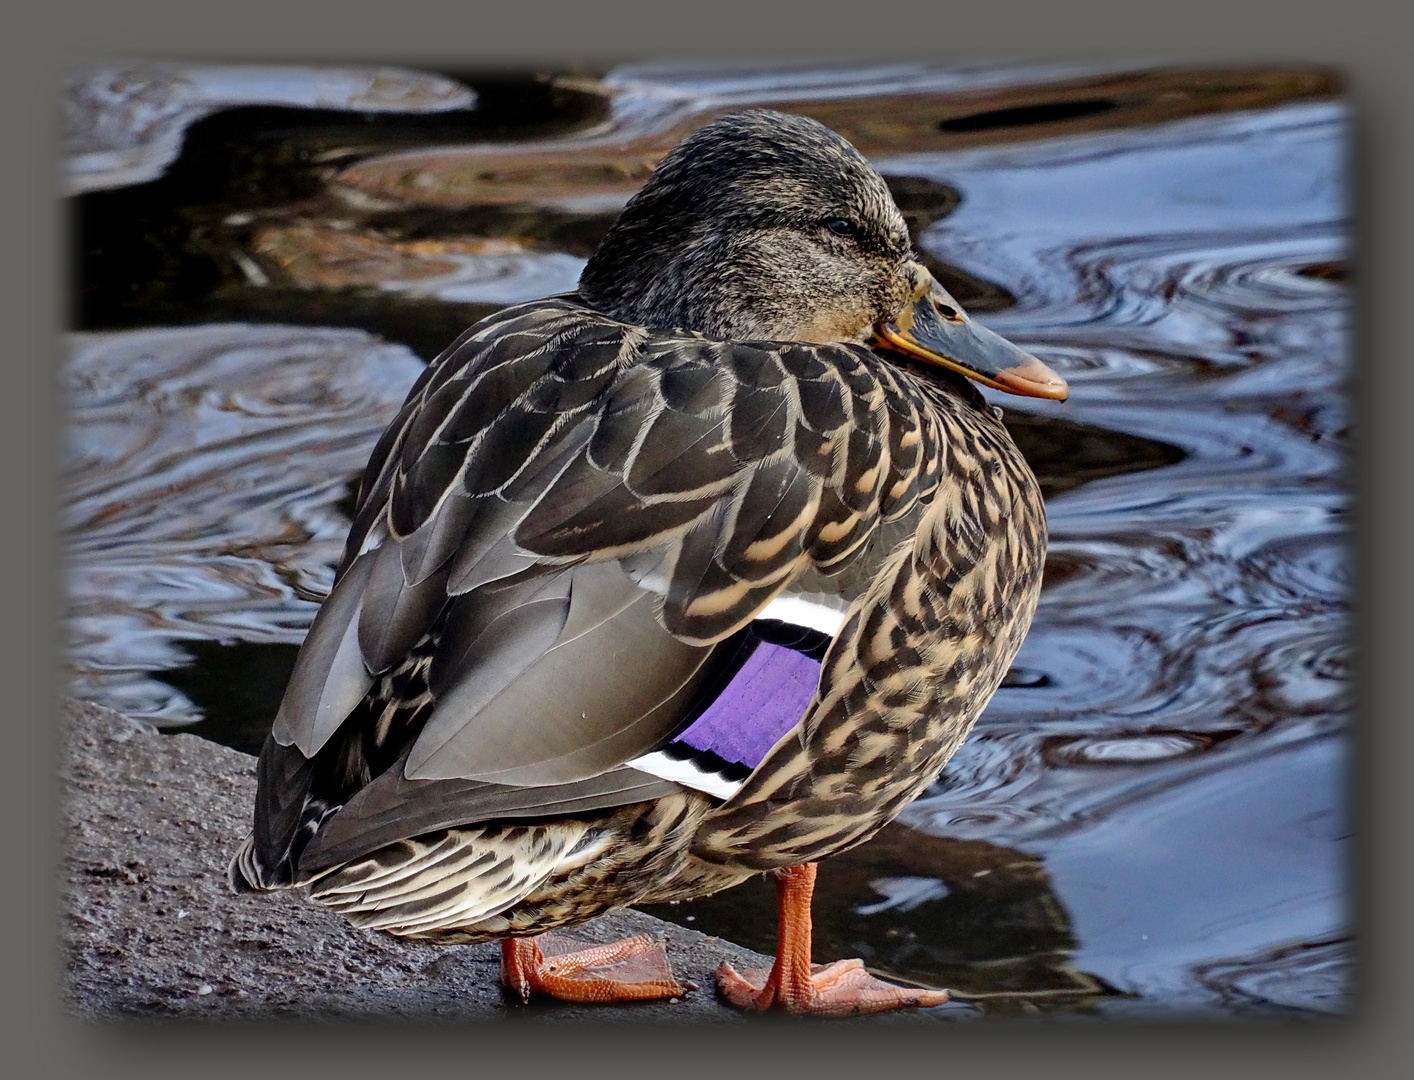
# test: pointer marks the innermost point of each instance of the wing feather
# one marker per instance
(329, 678)
(428, 547)
(394, 616)
(561, 500)
(392, 808)
(528, 730)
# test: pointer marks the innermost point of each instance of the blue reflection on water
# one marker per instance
(1160, 270)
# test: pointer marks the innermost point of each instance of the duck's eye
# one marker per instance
(841, 227)
(945, 311)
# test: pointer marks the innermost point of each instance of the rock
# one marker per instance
(151, 929)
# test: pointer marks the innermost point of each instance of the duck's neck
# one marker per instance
(719, 286)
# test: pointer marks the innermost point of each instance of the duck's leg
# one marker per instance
(634, 969)
(843, 988)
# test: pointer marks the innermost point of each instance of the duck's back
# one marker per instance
(580, 550)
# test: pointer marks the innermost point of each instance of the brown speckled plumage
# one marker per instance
(582, 506)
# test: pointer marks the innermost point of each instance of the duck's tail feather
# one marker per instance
(287, 815)
(245, 874)
(250, 872)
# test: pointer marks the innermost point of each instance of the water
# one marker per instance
(1151, 817)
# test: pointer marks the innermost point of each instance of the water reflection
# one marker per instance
(1151, 813)
(982, 919)
(123, 123)
(1192, 647)
(201, 469)
(473, 270)
(1301, 977)
(883, 111)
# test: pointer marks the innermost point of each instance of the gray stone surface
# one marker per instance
(150, 928)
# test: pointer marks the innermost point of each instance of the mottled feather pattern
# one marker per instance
(716, 474)
(687, 434)
(910, 671)
(453, 878)
(459, 886)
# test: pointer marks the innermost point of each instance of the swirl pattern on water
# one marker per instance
(1201, 611)
(201, 473)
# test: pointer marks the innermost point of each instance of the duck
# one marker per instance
(701, 572)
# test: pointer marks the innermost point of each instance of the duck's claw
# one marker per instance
(843, 988)
(635, 969)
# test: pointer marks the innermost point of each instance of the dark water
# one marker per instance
(1151, 817)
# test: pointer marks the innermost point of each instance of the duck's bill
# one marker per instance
(936, 329)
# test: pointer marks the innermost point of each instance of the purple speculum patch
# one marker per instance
(764, 699)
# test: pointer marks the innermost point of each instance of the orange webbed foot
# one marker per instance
(801, 988)
(843, 988)
(635, 969)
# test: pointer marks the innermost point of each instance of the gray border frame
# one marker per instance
(1359, 36)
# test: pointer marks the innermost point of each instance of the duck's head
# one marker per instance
(767, 226)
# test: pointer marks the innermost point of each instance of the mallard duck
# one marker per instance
(701, 572)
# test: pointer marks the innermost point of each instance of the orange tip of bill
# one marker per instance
(1033, 379)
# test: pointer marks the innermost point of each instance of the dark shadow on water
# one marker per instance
(977, 918)
(1066, 453)
(1027, 115)
(1337, 271)
(160, 253)
(237, 686)
(173, 251)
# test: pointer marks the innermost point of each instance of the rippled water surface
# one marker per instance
(1152, 814)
